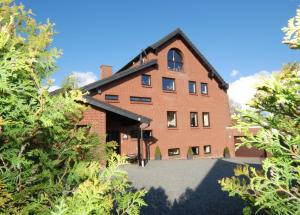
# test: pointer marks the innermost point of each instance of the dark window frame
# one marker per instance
(203, 84)
(195, 87)
(197, 121)
(204, 113)
(205, 150)
(148, 84)
(196, 147)
(170, 154)
(175, 64)
(135, 134)
(174, 85)
(175, 112)
(140, 99)
(111, 97)
(148, 136)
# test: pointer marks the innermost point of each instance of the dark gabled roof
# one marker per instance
(112, 78)
(118, 76)
(179, 33)
(114, 109)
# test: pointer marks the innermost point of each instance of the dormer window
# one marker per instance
(175, 62)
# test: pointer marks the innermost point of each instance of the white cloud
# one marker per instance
(243, 89)
(52, 88)
(234, 73)
(84, 78)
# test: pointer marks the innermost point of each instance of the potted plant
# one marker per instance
(157, 153)
(226, 152)
(190, 154)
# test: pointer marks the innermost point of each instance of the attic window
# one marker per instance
(175, 62)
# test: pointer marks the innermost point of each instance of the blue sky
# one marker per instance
(233, 35)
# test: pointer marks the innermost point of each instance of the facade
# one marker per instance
(168, 96)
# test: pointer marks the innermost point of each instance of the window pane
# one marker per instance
(174, 60)
(140, 99)
(111, 97)
(194, 119)
(146, 80)
(207, 149)
(147, 134)
(204, 88)
(192, 87)
(178, 66)
(171, 118)
(195, 150)
(206, 119)
(168, 84)
(174, 152)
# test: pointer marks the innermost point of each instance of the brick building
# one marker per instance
(168, 96)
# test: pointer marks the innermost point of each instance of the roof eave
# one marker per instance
(117, 110)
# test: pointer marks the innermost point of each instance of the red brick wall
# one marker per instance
(216, 103)
(96, 118)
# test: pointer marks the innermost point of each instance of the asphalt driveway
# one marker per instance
(187, 186)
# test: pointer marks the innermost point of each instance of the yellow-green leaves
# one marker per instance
(292, 32)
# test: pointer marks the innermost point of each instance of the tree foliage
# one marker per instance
(275, 188)
(44, 155)
(292, 32)
(99, 193)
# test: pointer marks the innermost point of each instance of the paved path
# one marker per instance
(187, 186)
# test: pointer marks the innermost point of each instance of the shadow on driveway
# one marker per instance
(187, 187)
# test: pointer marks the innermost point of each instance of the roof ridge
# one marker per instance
(194, 49)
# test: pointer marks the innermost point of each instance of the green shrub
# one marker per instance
(44, 155)
(226, 151)
(274, 189)
(190, 152)
(157, 152)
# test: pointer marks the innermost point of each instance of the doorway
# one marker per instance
(114, 136)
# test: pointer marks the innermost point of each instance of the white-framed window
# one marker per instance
(168, 84)
(146, 80)
(171, 119)
(207, 149)
(174, 151)
(204, 88)
(195, 150)
(193, 119)
(206, 120)
(192, 87)
(175, 61)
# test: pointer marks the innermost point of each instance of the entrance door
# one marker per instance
(114, 136)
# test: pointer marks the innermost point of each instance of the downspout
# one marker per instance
(142, 145)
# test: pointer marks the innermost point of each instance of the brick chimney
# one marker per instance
(106, 71)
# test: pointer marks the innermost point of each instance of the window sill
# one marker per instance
(170, 128)
(143, 103)
(147, 86)
(205, 95)
(193, 94)
(112, 101)
(174, 156)
(207, 127)
(195, 127)
(169, 91)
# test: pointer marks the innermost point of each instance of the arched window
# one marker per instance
(174, 60)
